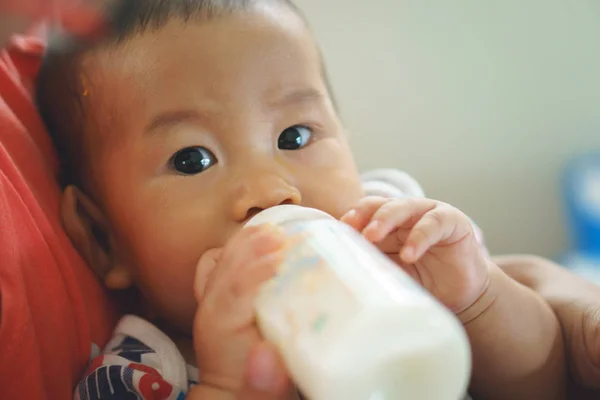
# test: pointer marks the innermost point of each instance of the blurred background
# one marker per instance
(483, 102)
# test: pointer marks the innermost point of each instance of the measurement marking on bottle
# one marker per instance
(319, 323)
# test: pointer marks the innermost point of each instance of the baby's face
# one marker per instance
(201, 126)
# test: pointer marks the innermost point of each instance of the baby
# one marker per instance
(191, 118)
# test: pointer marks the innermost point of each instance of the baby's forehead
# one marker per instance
(213, 65)
(81, 89)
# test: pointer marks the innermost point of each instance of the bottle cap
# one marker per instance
(279, 215)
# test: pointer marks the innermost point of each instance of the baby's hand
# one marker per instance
(227, 281)
(432, 241)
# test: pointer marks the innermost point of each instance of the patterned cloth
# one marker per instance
(140, 362)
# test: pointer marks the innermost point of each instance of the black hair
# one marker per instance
(58, 89)
(130, 17)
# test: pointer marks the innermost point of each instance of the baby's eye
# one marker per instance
(193, 160)
(294, 138)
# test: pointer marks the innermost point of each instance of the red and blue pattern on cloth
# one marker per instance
(122, 376)
(134, 367)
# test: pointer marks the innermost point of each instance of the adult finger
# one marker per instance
(266, 377)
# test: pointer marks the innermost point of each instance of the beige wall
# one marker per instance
(482, 101)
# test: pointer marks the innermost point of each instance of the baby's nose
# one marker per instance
(261, 194)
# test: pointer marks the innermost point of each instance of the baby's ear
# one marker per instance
(89, 231)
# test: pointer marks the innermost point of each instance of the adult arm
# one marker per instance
(17, 16)
(516, 343)
(576, 303)
(265, 379)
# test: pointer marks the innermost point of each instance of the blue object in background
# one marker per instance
(581, 186)
(582, 198)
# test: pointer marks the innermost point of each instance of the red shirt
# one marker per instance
(53, 307)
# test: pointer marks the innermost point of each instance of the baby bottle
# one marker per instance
(350, 324)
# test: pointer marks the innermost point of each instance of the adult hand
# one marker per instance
(77, 16)
(576, 303)
(266, 377)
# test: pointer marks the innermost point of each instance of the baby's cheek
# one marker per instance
(165, 273)
(171, 295)
(332, 152)
(328, 178)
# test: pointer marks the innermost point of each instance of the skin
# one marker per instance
(141, 185)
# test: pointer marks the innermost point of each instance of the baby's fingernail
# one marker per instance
(373, 227)
(268, 226)
(273, 238)
(408, 253)
(350, 215)
(272, 230)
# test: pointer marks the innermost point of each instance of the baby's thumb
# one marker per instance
(206, 265)
(265, 377)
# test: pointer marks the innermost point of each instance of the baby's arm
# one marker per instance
(516, 342)
(515, 337)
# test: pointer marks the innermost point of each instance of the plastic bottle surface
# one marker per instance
(350, 324)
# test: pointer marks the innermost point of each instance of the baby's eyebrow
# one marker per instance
(171, 118)
(298, 96)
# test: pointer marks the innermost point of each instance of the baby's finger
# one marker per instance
(441, 225)
(359, 216)
(249, 279)
(252, 243)
(237, 300)
(400, 213)
(247, 246)
(393, 242)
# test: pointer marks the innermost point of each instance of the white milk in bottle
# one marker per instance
(350, 324)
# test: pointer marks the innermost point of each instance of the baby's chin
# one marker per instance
(173, 318)
(175, 328)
